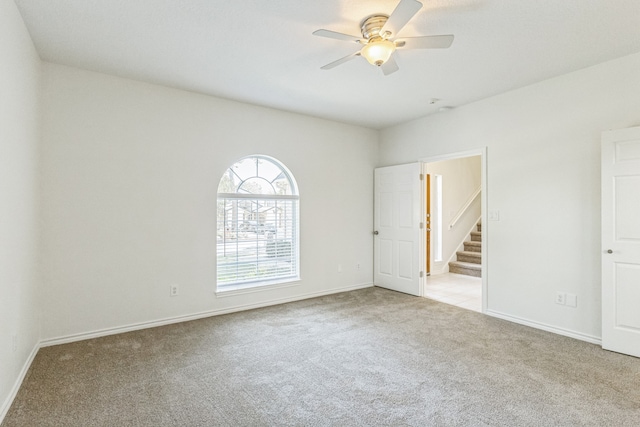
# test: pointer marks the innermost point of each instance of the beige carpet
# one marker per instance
(364, 358)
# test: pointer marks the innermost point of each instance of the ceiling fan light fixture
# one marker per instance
(379, 38)
(377, 52)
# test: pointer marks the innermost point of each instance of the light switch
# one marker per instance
(494, 215)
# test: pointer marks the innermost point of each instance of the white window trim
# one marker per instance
(256, 196)
(249, 288)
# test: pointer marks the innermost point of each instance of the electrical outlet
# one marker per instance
(571, 300)
(14, 342)
(173, 290)
(561, 298)
(358, 266)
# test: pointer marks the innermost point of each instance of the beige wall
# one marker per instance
(19, 131)
(543, 161)
(130, 174)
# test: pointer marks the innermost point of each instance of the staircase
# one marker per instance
(468, 261)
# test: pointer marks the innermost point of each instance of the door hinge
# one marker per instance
(421, 177)
(422, 274)
(421, 225)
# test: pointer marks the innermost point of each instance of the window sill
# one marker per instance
(249, 288)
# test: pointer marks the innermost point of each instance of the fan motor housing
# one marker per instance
(372, 25)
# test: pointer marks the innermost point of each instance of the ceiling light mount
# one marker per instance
(371, 26)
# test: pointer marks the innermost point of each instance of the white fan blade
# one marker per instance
(391, 66)
(337, 36)
(425, 42)
(340, 61)
(404, 11)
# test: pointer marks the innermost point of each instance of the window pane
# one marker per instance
(268, 170)
(256, 240)
(256, 186)
(229, 182)
(282, 185)
(245, 168)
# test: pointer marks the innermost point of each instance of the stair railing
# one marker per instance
(464, 207)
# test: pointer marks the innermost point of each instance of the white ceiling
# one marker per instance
(262, 51)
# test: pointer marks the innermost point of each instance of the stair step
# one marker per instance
(473, 257)
(476, 236)
(466, 268)
(473, 246)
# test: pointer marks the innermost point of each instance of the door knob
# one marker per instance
(609, 251)
(375, 233)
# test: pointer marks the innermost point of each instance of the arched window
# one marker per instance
(257, 224)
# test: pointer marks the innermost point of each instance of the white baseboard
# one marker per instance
(560, 331)
(16, 386)
(209, 313)
(439, 268)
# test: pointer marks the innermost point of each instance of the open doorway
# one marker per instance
(455, 252)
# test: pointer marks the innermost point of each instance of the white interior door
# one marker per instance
(621, 241)
(397, 235)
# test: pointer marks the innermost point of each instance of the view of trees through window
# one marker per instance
(257, 224)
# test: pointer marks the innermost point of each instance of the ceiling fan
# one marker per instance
(379, 38)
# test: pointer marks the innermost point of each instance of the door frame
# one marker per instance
(482, 152)
(427, 223)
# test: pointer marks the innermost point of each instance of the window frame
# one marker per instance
(292, 218)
